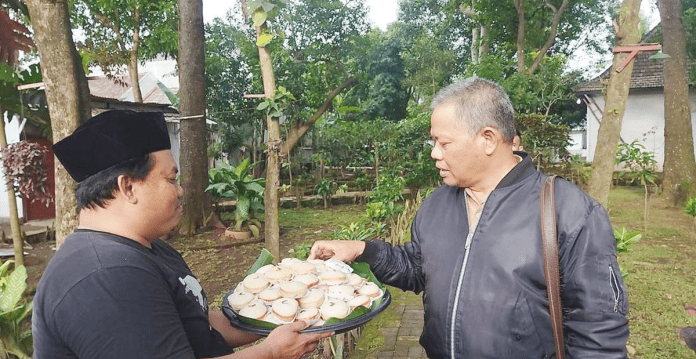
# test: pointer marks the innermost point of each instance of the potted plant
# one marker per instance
(236, 182)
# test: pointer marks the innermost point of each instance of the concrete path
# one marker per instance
(401, 338)
(30, 228)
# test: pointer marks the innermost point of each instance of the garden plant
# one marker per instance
(15, 334)
(236, 182)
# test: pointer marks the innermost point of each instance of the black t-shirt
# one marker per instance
(104, 296)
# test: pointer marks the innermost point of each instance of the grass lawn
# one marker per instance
(660, 271)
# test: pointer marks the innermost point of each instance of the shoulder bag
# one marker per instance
(551, 264)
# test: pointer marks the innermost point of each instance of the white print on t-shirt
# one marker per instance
(191, 285)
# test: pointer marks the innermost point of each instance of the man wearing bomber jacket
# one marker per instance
(476, 248)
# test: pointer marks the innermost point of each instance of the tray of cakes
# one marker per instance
(328, 294)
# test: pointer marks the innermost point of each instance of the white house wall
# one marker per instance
(12, 133)
(643, 121)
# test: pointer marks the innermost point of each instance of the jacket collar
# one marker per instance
(522, 170)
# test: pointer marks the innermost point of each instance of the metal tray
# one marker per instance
(336, 327)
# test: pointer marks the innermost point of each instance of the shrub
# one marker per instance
(545, 141)
(624, 238)
(301, 250)
(399, 225)
(227, 181)
(25, 169)
(359, 231)
(690, 208)
(327, 188)
(14, 317)
(389, 188)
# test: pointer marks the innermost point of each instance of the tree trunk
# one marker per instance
(479, 33)
(270, 199)
(679, 164)
(67, 95)
(17, 241)
(614, 106)
(194, 135)
(484, 40)
(377, 163)
(475, 31)
(521, 43)
(133, 60)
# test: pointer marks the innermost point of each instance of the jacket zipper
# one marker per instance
(459, 289)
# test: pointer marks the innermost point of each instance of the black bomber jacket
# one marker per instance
(484, 292)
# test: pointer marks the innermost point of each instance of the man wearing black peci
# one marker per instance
(114, 290)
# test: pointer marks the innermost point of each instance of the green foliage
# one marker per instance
(580, 170)
(428, 68)
(237, 183)
(381, 211)
(386, 98)
(385, 197)
(624, 238)
(690, 207)
(689, 22)
(274, 106)
(400, 225)
(359, 231)
(548, 91)
(544, 140)
(263, 10)
(389, 188)
(14, 317)
(29, 104)
(362, 181)
(322, 45)
(265, 257)
(350, 143)
(432, 27)
(327, 188)
(227, 80)
(109, 26)
(302, 250)
(639, 162)
(407, 151)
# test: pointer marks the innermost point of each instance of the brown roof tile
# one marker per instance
(647, 73)
(103, 87)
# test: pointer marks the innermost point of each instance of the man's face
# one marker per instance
(457, 155)
(159, 195)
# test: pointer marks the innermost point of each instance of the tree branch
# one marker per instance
(467, 11)
(552, 36)
(297, 132)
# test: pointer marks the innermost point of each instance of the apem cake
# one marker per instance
(314, 291)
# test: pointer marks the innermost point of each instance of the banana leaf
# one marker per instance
(265, 257)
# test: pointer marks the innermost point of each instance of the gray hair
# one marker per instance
(479, 103)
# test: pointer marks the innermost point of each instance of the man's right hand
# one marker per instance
(285, 342)
(345, 251)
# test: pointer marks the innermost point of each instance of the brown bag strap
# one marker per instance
(551, 264)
